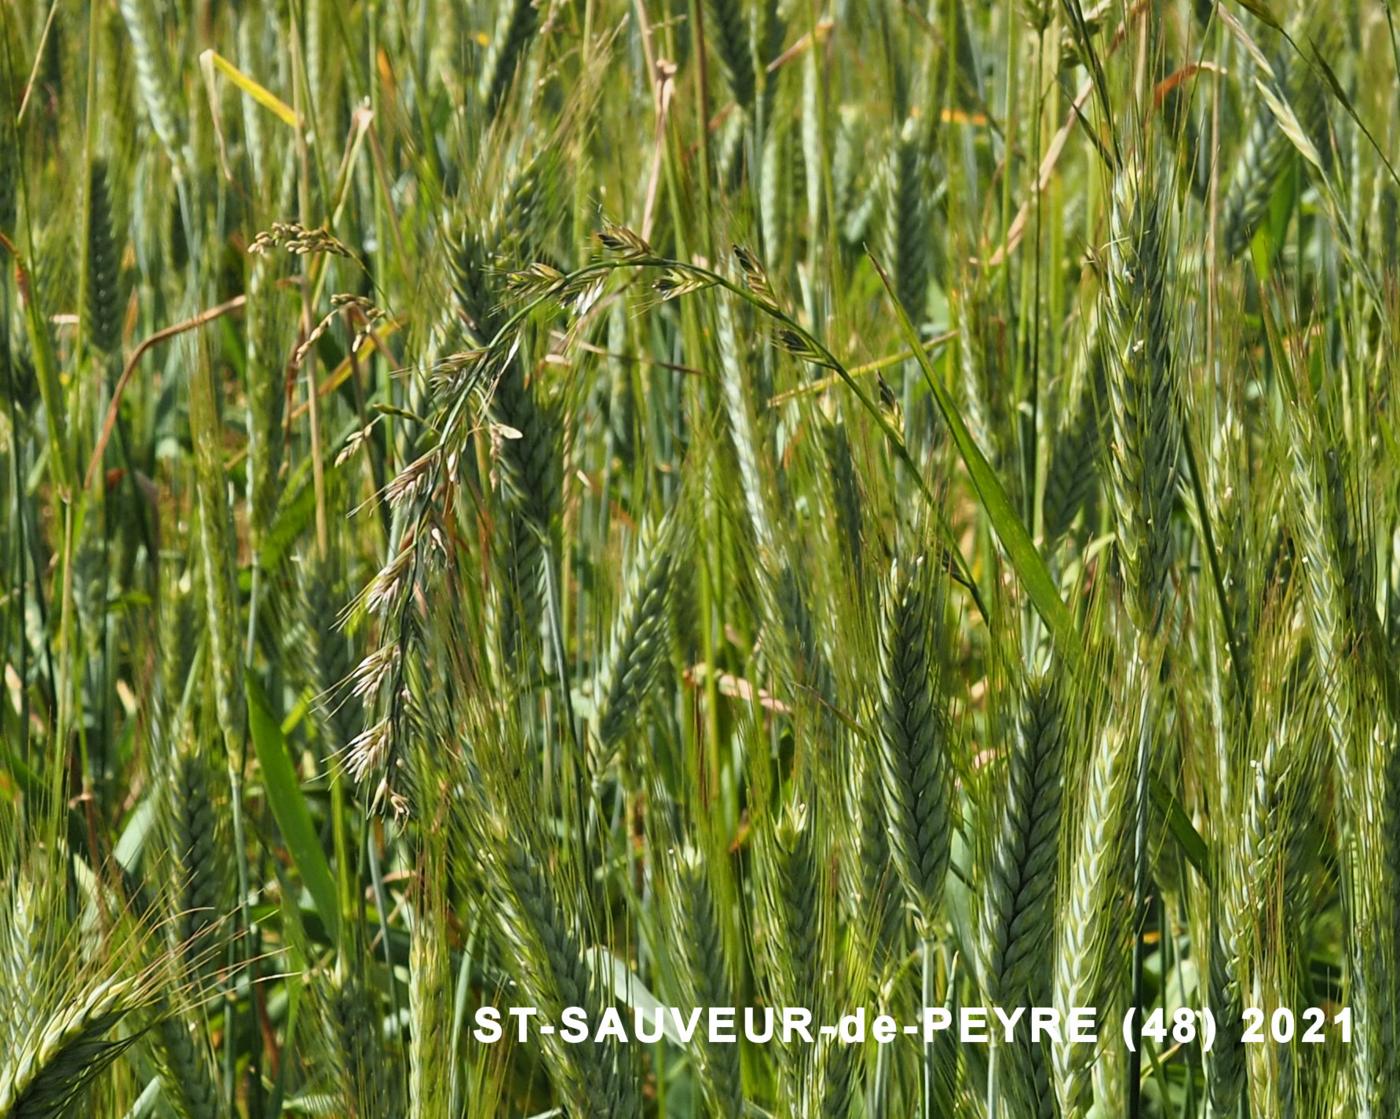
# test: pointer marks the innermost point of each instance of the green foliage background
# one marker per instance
(728, 502)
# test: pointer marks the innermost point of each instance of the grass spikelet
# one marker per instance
(365, 1089)
(743, 427)
(324, 650)
(554, 974)
(104, 301)
(792, 630)
(1267, 150)
(776, 186)
(846, 487)
(429, 999)
(914, 765)
(792, 906)
(516, 21)
(1020, 850)
(186, 1075)
(153, 75)
(1142, 392)
(1091, 924)
(1076, 448)
(1225, 1071)
(729, 33)
(216, 553)
(193, 820)
(61, 1055)
(266, 396)
(701, 944)
(982, 360)
(1018, 907)
(22, 938)
(517, 607)
(1277, 767)
(792, 920)
(527, 456)
(638, 645)
(905, 233)
(879, 886)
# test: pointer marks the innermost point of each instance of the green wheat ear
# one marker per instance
(104, 302)
(553, 972)
(697, 934)
(356, 1038)
(878, 885)
(1018, 909)
(913, 741)
(61, 1054)
(728, 26)
(905, 234)
(153, 75)
(266, 319)
(184, 1063)
(1094, 905)
(517, 605)
(515, 25)
(1267, 150)
(193, 818)
(1077, 446)
(638, 647)
(1142, 391)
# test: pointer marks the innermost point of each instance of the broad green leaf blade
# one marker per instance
(289, 807)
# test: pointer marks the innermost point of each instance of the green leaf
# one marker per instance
(1179, 824)
(614, 975)
(1012, 534)
(293, 515)
(1261, 12)
(289, 806)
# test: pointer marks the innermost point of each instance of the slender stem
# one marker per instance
(1139, 877)
(925, 1002)
(381, 905)
(1213, 560)
(992, 1098)
(235, 778)
(561, 667)
(879, 1085)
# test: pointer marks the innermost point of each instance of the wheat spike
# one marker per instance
(197, 843)
(61, 1055)
(639, 635)
(1091, 920)
(728, 28)
(515, 25)
(554, 973)
(1018, 921)
(914, 765)
(1142, 392)
(185, 1067)
(1267, 151)
(266, 396)
(701, 943)
(1076, 448)
(104, 302)
(153, 74)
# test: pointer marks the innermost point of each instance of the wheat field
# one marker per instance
(601, 506)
